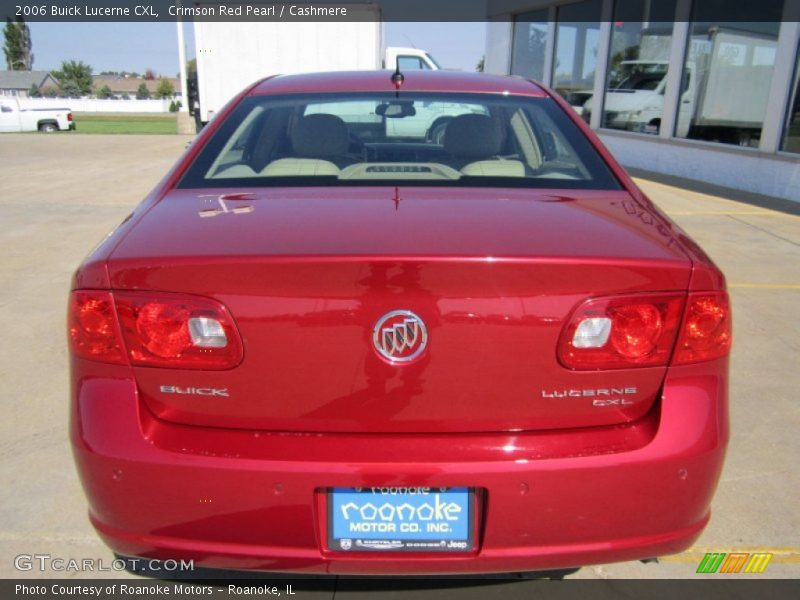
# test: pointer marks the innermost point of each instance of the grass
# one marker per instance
(126, 123)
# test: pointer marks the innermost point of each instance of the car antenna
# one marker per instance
(397, 78)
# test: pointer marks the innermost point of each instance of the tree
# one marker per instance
(191, 66)
(165, 89)
(75, 75)
(616, 70)
(481, 64)
(34, 92)
(149, 75)
(18, 45)
(70, 89)
(529, 60)
(142, 93)
(104, 92)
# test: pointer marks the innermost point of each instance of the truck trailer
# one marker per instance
(232, 55)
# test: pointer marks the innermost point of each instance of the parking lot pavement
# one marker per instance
(62, 193)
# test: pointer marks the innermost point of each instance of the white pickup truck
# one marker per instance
(17, 118)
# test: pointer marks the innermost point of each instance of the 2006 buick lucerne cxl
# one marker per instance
(369, 325)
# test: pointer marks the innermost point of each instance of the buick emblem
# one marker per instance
(400, 336)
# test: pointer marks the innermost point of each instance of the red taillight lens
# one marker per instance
(176, 331)
(706, 332)
(93, 329)
(69, 116)
(159, 330)
(621, 332)
(635, 329)
(163, 329)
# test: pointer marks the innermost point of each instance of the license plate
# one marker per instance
(400, 519)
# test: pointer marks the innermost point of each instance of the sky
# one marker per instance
(141, 46)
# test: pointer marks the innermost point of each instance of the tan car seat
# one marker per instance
(470, 137)
(314, 139)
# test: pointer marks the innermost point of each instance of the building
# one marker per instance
(702, 89)
(19, 83)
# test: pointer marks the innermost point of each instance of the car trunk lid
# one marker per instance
(308, 272)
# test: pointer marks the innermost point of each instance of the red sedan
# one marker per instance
(374, 325)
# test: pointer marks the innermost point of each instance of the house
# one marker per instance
(122, 86)
(19, 83)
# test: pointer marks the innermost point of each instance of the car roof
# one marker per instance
(380, 81)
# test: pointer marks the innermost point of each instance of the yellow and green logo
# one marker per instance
(734, 562)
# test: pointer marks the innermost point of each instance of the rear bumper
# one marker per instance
(247, 500)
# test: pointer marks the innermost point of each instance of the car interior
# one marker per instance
(403, 139)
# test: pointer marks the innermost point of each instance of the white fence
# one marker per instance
(98, 105)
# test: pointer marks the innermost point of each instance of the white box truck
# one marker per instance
(728, 96)
(725, 86)
(232, 55)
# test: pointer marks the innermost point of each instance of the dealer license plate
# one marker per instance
(400, 519)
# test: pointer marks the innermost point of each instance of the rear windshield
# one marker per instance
(405, 139)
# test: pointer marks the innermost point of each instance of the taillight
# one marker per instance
(706, 331)
(621, 332)
(176, 331)
(93, 327)
(69, 116)
(158, 330)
